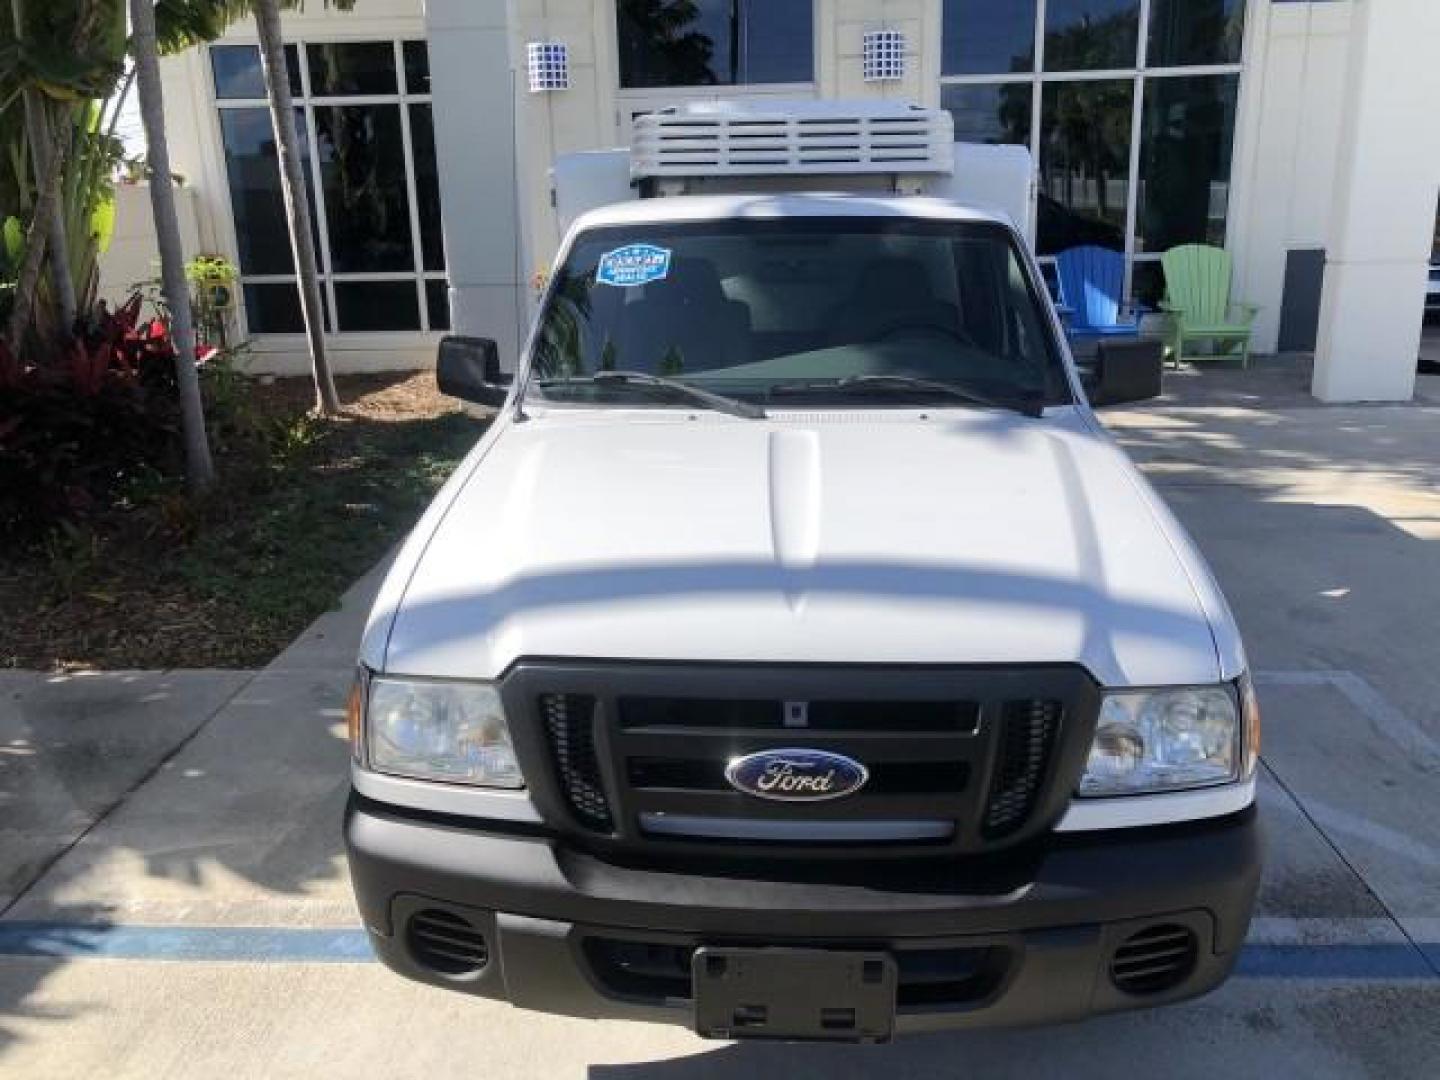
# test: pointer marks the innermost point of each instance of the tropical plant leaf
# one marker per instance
(102, 224)
(13, 232)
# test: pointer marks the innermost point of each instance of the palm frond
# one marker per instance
(183, 24)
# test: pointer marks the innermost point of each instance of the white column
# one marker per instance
(1381, 225)
(472, 79)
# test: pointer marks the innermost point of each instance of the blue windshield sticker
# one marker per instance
(633, 264)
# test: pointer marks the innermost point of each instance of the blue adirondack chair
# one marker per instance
(1092, 289)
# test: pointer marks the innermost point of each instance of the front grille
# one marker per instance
(888, 777)
(1027, 738)
(960, 760)
(570, 726)
(919, 755)
(744, 714)
(1155, 959)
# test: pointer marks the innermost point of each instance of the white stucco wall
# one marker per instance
(132, 257)
(840, 27)
(1286, 146)
(1382, 211)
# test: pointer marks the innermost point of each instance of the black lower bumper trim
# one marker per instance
(568, 933)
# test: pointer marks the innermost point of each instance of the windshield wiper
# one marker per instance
(693, 394)
(1026, 403)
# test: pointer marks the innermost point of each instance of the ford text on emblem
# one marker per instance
(795, 775)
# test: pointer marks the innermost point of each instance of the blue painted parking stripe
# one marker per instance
(1338, 961)
(253, 944)
(1371, 961)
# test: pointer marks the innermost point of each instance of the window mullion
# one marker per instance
(1132, 195)
(317, 185)
(411, 190)
(1037, 95)
(1137, 117)
(740, 42)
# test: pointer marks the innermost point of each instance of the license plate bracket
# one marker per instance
(796, 994)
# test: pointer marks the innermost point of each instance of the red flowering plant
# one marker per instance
(79, 427)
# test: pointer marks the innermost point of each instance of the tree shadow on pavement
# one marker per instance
(27, 960)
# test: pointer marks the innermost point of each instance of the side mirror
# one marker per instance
(468, 368)
(1125, 371)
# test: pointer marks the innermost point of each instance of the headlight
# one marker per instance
(453, 731)
(1165, 740)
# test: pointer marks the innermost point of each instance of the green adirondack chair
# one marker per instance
(1197, 298)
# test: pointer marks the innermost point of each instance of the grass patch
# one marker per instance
(228, 581)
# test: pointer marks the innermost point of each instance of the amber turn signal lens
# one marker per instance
(1251, 711)
(354, 717)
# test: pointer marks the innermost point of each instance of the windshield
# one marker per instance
(850, 312)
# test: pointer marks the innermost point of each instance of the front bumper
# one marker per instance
(568, 933)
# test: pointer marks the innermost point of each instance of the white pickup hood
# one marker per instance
(956, 536)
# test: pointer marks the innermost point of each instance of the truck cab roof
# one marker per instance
(787, 205)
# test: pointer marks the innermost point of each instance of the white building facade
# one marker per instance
(1301, 136)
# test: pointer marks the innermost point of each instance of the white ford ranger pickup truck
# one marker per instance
(796, 656)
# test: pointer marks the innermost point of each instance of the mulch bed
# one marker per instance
(230, 579)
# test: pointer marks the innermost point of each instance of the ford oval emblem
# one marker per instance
(796, 775)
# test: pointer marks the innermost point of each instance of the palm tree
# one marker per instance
(191, 22)
(37, 236)
(43, 146)
(199, 469)
(297, 204)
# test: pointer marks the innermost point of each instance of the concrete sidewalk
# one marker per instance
(73, 746)
(1322, 525)
(240, 825)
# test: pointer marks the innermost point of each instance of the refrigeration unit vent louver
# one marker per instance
(803, 138)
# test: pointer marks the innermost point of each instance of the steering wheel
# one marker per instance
(900, 326)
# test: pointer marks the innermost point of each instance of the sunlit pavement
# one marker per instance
(196, 919)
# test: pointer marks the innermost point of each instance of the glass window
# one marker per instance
(373, 229)
(990, 112)
(353, 67)
(274, 308)
(1187, 131)
(777, 42)
(427, 186)
(238, 73)
(362, 168)
(1084, 164)
(802, 310)
(437, 303)
(1091, 35)
(1085, 146)
(377, 305)
(982, 37)
(256, 202)
(715, 42)
(1195, 32)
(417, 67)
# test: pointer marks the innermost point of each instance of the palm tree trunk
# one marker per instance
(44, 144)
(297, 205)
(199, 469)
(47, 198)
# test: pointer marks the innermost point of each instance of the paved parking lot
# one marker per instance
(177, 902)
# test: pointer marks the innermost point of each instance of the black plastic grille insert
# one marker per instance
(570, 727)
(1027, 740)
